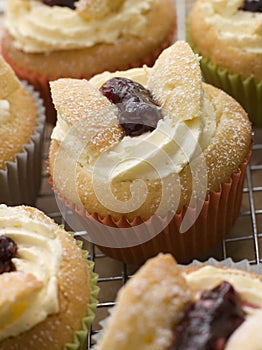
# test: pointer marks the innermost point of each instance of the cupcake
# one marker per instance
(163, 307)
(48, 39)
(228, 36)
(22, 121)
(151, 159)
(48, 289)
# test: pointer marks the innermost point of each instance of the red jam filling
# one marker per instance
(62, 3)
(138, 112)
(252, 6)
(209, 322)
(8, 250)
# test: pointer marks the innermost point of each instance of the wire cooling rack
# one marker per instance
(243, 242)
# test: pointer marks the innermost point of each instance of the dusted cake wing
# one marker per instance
(17, 291)
(176, 82)
(97, 8)
(79, 103)
(76, 98)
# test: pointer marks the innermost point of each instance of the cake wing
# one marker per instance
(176, 82)
(78, 101)
(76, 98)
(89, 9)
(17, 291)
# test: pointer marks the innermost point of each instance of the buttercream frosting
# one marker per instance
(237, 28)
(155, 154)
(39, 254)
(39, 28)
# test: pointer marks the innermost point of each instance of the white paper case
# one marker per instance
(20, 180)
(240, 265)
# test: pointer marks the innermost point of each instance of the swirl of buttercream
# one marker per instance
(40, 28)
(39, 254)
(237, 28)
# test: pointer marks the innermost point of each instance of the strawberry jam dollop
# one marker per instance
(138, 112)
(252, 5)
(63, 3)
(8, 250)
(209, 322)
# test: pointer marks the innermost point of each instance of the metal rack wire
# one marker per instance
(243, 242)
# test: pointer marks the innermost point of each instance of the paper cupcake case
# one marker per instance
(246, 91)
(41, 82)
(243, 265)
(219, 213)
(79, 341)
(20, 180)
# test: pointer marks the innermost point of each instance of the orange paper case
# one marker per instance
(219, 213)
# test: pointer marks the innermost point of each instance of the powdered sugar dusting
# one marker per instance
(229, 147)
(175, 81)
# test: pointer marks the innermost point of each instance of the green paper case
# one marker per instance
(20, 179)
(246, 91)
(79, 341)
